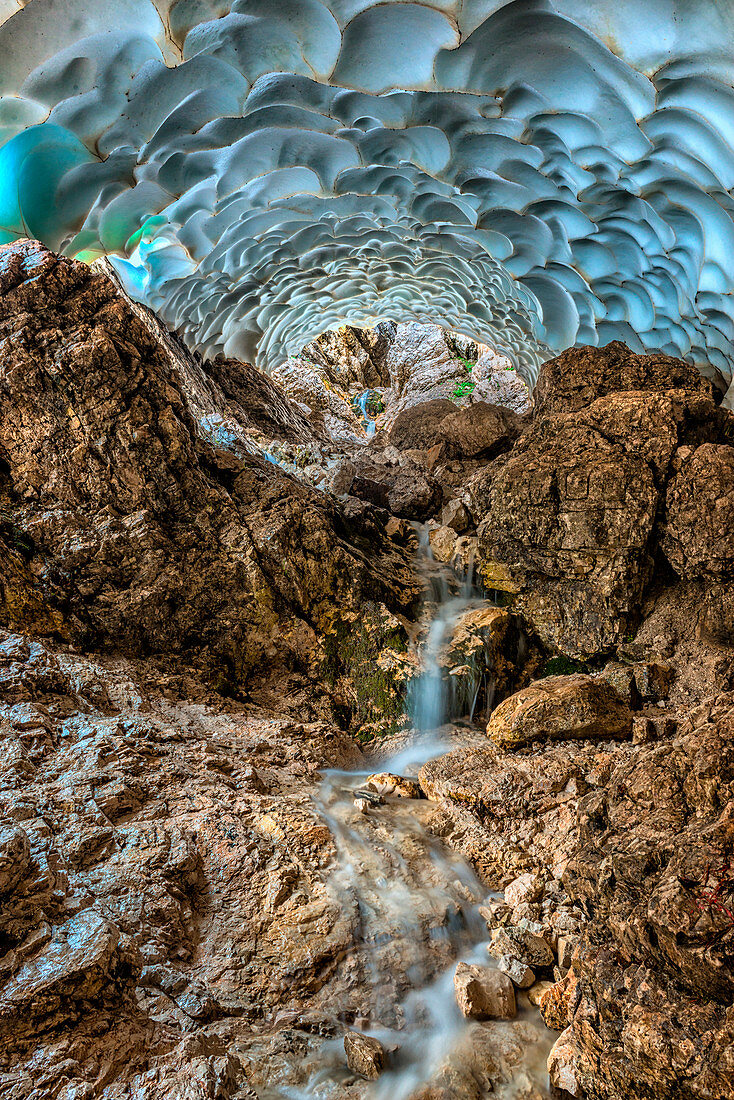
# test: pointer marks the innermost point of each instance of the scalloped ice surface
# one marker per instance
(533, 174)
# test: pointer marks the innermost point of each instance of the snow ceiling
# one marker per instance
(534, 174)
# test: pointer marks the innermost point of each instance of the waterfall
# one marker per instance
(414, 905)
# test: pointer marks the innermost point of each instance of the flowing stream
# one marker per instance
(415, 903)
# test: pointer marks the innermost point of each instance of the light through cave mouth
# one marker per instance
(534, 175)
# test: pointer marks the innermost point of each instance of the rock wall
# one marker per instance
(133, 529)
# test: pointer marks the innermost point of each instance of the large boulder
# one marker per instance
(561, 708)
(697, 536)
(416, 428)
(480, 429)
(567, 519)
(484, 993)
(578, 376)
(403, 488)
(137, 530)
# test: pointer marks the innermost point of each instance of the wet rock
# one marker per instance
(517, 943)
(456, 516)
(365, 1055)
(443, 543)
(480, 430)
(484, 993)
(536, 991)
(520, 974)
(399, 786)
(560, 708)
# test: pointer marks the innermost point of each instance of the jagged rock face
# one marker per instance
(577, 377)
(353, 357)
(151, 916)
(641, 837)
(568, 520)
(697, 537)
(654, 869)
(230, 400)
(138, 531)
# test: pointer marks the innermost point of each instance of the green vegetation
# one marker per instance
(463, 389)
(372, 690)
(562, 666)
(375, 405)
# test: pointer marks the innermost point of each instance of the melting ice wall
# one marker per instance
(534, 174)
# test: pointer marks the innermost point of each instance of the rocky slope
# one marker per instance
(127, 524)
(189, 635)
(608, 526)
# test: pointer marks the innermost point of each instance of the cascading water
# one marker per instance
(414, 906)
(363, 402)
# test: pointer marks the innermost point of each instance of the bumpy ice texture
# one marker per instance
(534, 174)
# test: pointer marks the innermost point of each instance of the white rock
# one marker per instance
(561, 1064)
(520, 974)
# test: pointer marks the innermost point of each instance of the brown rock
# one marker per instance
(480, 429)
(417, 427)
(519, 972)
(484, 993)
(14, 855)
(456, 516)
(562, 1065)
(443, 543)
(518, 943)
(527, 887)
(386, 783)
(697, 536)
(566, 520)
(406, 490)
(365, 1054)
(138, 529)
(557, 1001)
(559, 708)
(577, 377)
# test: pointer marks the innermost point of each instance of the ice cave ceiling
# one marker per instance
(535, 174)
